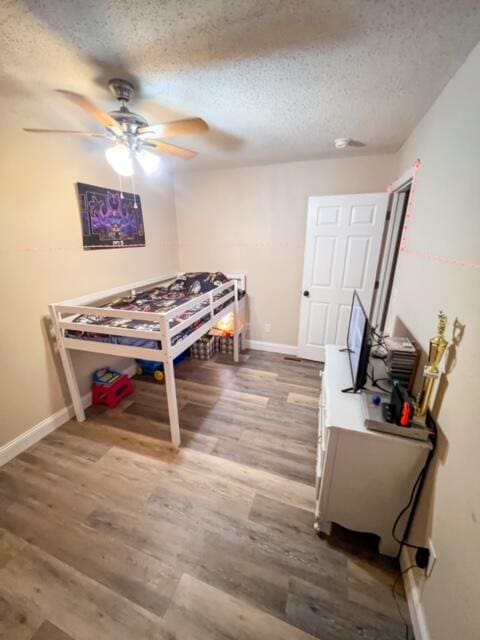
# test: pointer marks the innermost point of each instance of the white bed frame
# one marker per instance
(63, 314)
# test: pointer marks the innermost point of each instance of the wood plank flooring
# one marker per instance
(108, 533)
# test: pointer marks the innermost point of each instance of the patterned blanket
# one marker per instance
(156, 299)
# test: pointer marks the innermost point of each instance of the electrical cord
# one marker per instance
(370, 375)
(375, 384)
(374, 380)
(378, 350)
(380, 336)
(402, 542)
(414, 495)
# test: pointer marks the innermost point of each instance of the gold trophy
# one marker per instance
(431, 371)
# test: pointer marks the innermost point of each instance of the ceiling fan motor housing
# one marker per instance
(128, 118)
(121, 89)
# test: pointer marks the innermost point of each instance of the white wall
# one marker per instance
(445, 274)
(42, 261)
(252, 220)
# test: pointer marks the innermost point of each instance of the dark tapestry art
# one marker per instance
(108, 220)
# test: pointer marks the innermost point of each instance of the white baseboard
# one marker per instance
(412, 590)
(27, 439)
(130, 371)
(274, 347)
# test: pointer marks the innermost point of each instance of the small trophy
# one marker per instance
(431, 371)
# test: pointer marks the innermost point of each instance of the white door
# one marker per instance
(342, 248)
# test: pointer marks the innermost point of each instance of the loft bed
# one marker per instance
(155, 319)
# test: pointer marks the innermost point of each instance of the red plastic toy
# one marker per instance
(112, 395)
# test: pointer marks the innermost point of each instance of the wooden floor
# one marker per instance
(107, 533)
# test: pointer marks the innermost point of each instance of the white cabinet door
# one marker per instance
(342, 248)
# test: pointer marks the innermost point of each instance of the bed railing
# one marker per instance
(64, 313)
(106, 312)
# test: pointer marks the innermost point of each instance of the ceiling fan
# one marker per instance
(130, 134)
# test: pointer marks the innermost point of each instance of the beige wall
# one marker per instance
(446, 224)
(42, 261)
(252, 220)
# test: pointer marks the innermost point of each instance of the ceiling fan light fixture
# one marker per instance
(120, 159)
(148, 161)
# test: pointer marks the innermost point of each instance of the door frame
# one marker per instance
(394, 231)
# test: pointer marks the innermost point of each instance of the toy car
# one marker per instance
(151, 368)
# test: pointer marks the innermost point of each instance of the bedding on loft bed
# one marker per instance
(156, 299)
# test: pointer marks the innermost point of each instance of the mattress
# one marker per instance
(157, 299)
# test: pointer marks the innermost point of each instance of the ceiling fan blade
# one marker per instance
(88, 106)
(356, 143)
(89, 134)
(187, 127)
(164, 147)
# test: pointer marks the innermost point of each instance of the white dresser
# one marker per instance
(363, 478)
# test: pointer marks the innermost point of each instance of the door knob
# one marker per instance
(306, 293)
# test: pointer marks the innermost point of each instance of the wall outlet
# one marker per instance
(431, 559)
(268, 327)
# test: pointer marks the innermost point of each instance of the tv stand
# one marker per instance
(363, 478)
(352, 390)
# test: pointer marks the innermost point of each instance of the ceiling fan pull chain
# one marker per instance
(120, 187)
(134, 194)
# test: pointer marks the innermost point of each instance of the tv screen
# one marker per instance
(358, 343)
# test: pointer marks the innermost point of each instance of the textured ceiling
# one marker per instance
(276, 80)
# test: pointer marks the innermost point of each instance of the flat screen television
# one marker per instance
(358, 343)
